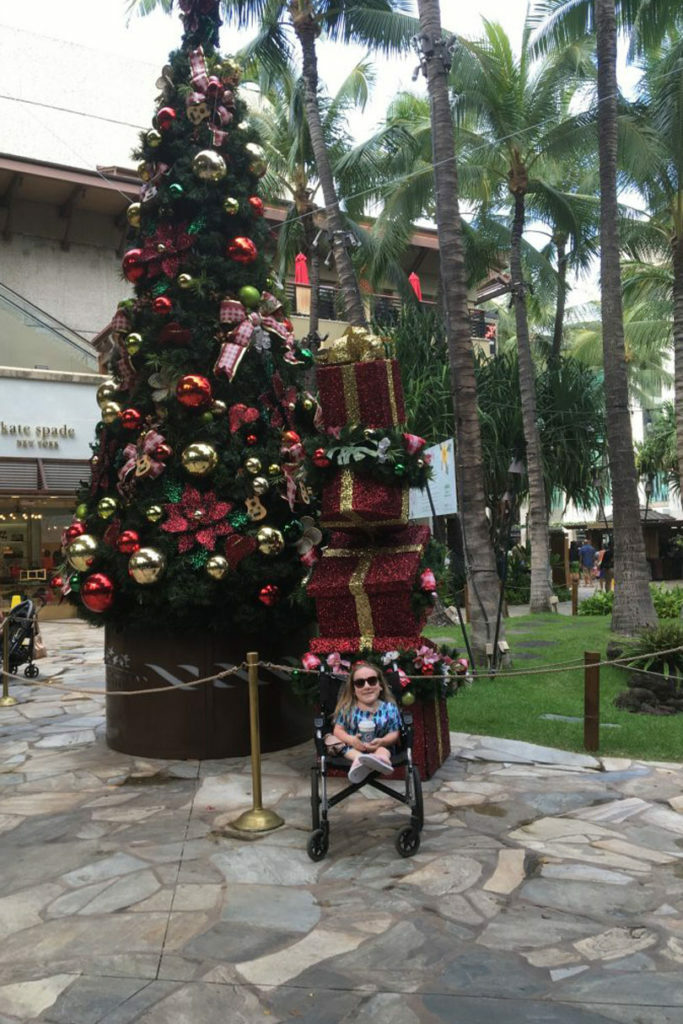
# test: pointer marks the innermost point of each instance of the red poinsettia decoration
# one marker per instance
(165, 248)
(198, 518)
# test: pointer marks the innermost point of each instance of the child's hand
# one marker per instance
(373, 745)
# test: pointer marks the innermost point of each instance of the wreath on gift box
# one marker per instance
(386, 455)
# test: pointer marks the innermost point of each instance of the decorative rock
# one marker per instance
(615, 942)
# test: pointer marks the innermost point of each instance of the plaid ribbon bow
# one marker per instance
(248, 328)
(210, 91)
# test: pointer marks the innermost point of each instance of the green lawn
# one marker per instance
(513, 707)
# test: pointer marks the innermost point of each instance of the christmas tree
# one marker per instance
(197, 515)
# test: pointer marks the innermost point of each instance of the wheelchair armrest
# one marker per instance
(318, 722)
(407, 718)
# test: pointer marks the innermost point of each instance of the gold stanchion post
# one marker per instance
(258, 819)
(6, 701)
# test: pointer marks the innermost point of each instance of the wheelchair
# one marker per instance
(407, 841)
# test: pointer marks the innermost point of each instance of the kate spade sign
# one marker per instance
(47, 419)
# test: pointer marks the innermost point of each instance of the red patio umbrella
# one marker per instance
(301, 269)
(416, 286)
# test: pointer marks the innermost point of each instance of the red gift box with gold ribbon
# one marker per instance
(365, 592)
(366, 393)
(352, 502)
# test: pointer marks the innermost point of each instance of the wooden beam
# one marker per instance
(66, 211)
(7, 200)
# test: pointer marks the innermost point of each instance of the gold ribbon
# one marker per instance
(356, 345)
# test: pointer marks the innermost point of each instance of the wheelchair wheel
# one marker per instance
(318, 844)
(407, 841)
(31, 671)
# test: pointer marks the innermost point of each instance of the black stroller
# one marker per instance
(22, 623)
(408, 839)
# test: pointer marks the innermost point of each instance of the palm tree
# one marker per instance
(518, 125)
(379, 24)
(481, 566)
(649, 21)
(279, 117)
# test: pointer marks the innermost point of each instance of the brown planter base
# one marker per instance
(206, 721)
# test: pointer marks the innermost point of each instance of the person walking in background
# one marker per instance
(607, 567)
(598, 571)
(587, 560)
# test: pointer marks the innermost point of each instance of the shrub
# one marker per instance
(667, 602)
(650, 642)
(599, 604)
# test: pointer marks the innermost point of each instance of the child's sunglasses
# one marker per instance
(368, 681)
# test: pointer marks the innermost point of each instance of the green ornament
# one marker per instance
(249, 295)
(295, 674)
(75, 582)
(306, 353)
(207, 417)
(239, 520)
(176, 190)
(81, 510)
(231, 205)
(399, 469)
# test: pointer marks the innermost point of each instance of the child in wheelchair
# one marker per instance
(366, 723)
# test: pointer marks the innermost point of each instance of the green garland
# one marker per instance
(378, 454)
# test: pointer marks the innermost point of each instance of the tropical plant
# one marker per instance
(657, 454)
(657, 648)
(435, 63)
(601, 603)
(380, 24)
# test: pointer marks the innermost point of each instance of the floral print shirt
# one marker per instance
(385, 717)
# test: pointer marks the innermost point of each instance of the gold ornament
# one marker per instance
(106, 392)
(154, 513)
(144, 171)
(161, 248)
(231, 205)
(184, 280)
(81, 552)
(253, 466)
(110, 412)
(133, 214)
(257, 156)
(153, 138)
(218, 408)
(259, 485)
(270, 540)
(199, 459)
(146, 565)
(420, 463)
(308, 404)
(133, 344)
(106, 507)
(274, 469)
(217, 567)
(209, 165)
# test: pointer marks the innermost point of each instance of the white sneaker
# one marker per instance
(375, 764)
(358, 771)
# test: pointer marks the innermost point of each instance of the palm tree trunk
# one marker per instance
(633, 606)
(561, 245)
(306, 30)
(677, 260)
(481, 564)
(541, 590)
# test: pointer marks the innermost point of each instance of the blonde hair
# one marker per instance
(347, 697)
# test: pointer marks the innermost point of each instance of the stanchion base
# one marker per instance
(8, 702)
(258, 819)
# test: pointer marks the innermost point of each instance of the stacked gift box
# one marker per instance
(363, 585)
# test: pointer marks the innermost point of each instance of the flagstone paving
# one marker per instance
(548, 887)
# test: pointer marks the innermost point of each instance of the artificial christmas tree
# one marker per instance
(197, 528)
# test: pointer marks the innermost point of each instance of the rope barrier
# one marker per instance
(291, 669)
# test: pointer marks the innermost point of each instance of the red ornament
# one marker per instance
(174, 334)
(291, 437)
(133, 267)
(165, 118)
(242, 250)
(251, 439)
(427, 580)
(162, 452)
(72, 531)
(288, 323)
(162, 305)
(193, 391)
(57, 582)
(320, 459)
(269, 595)
(128, 542)
(131, 419)
(256, 206)
(97, 592)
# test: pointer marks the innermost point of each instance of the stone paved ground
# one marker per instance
(549, 886)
